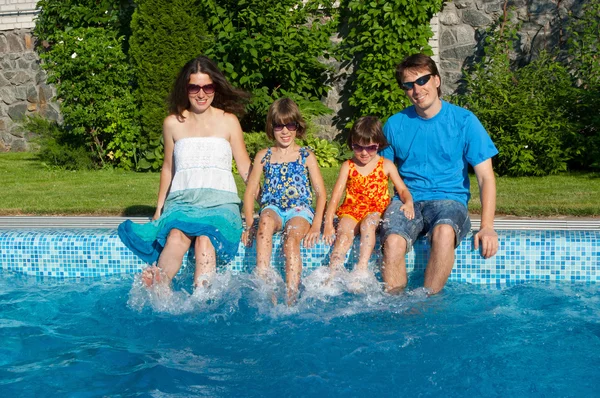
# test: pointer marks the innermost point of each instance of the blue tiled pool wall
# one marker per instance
(523, 255)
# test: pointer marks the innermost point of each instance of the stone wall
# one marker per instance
(463, 22)
(23, 88)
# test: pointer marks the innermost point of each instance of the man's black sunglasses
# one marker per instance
(419, 82)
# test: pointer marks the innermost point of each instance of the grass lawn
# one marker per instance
(29, 188)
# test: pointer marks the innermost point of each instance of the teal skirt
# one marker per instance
(222, 224)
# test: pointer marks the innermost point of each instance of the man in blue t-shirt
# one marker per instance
(432, 143)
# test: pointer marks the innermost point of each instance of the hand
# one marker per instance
(409, 210)
(329, 234)
(156, 215)
(489, 242)
(312, 237)
(248, 236)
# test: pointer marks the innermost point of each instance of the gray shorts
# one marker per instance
(428, 214)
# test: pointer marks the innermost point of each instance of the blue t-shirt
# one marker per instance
(432, 155)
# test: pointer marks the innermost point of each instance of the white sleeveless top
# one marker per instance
(203, 162)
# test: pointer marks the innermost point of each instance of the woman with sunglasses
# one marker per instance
(364, 180)
(198, 201)
(290, 174)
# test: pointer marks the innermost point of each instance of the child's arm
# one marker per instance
(408, 206)
(318, 186)
(338, 190)
(249, 195)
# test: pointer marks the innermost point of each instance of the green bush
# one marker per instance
(166, 35)
(92, 79)
(379, 35)
(58, 16)
(523, 109)
(271, 46)
(57, 148)
(584, 64)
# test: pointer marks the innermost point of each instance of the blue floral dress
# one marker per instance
(286, 185)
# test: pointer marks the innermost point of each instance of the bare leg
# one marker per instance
(170, 259)
(295, 230)
(346, 231)
(441, 258)
(368, 226)
(268, 224)
(393, 269)
(206, 261)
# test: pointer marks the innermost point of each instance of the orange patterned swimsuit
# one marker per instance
(365, 194)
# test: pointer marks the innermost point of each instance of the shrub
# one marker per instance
(380, 34)
(166, 34)
(523, 109)
(271, 46)
(92, 78)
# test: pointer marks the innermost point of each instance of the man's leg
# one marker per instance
(441, 258)
(398, 235)
(449, 221)
(393, 269)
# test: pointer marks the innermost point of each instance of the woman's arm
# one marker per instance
(238, 147)
(336, 195)
(166, 172)
(318, 186)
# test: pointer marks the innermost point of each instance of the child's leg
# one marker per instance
(206, 261)
(170, 258)
(268, 223)
(295, 230)
(344, 236)
(368, 228)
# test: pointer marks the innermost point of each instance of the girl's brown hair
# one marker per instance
(283, 111)
(365, 130)
(227, 97)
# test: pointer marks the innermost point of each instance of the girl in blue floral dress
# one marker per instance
(291, 174)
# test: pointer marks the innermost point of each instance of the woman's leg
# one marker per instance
(170, 259)
(368, 228)
(344, 236)
(268, 223)
(206, 261)
(295, 230)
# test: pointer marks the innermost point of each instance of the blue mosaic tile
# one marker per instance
(572, 256)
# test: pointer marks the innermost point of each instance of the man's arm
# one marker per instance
(487, 194)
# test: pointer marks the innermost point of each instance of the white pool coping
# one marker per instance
(500, 223)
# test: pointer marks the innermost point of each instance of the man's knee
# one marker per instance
(394, 245)
(443, 234)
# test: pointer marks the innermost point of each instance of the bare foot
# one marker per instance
(151, 276)
(292, 297)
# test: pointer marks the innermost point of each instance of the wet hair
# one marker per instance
(283, 111)
(226, 97)
(418, 62)
(365, 130)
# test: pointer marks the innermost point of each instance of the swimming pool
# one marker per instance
(525, 324)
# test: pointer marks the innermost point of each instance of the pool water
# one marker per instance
(111, 337)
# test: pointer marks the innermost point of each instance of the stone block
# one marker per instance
(49, 112)
(40, 77)
(449, 18)
(31, 107)
(32, 94)
(20, 93)
(458, 53)
(7, 95)
(45, 93)
(3, 44)
(19, 77)
(17, 112)
(15, 43)
(449, 65)
(3, 81)
(29, 42)
(476, 18)
(2, 124)
(447, 39)
(462, 4)
(464, 34)
(19, 145)
(8, 64)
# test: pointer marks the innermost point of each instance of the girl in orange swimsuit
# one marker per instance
(364, 178)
